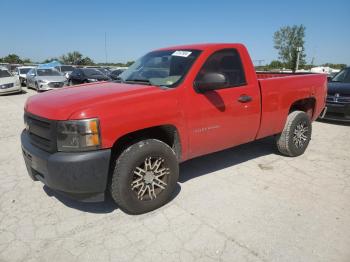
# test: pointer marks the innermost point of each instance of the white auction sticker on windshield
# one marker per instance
(181, 53)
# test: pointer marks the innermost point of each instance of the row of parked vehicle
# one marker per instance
(47, 78)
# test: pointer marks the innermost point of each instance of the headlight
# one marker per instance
(92, 80)
(78, 135)
(42, 81)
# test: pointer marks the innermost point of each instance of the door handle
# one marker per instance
(244, 99)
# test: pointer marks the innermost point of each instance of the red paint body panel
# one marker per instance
(205, 122)
(279, 93)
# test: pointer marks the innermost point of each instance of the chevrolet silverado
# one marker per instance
(127, 137)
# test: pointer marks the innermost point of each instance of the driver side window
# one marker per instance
(226, 62)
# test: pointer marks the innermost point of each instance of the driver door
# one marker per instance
(226, 116)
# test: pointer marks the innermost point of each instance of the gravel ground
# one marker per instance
(242, 204)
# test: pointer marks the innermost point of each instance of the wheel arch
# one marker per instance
(168, 134)
(306, 105)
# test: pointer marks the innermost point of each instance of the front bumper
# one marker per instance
(338, 112)
(10, 90)
(80, 175)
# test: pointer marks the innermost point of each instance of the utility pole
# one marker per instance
(106, 47)
(299, 49)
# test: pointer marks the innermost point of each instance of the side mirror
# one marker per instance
(210, 81)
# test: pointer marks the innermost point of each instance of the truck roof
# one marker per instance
(203, 46)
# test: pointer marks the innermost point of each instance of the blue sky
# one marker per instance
(44, 29)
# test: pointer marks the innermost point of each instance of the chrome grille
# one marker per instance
(56, 84)
(336, 98)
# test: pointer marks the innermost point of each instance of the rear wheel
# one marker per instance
(296, 134)
(145, 176)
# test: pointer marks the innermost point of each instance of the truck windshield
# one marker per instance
(343, 76)
(162, 68)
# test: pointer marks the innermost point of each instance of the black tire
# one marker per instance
(37, 87)
(133, 157)
(27, 85)
(289, 142)
(70, 83)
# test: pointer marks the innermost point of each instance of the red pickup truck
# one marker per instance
(127, 137)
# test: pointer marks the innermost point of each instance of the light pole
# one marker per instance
(106, 47)
(299, 49)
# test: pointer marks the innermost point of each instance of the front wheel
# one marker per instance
(296, 134)
(144, 177)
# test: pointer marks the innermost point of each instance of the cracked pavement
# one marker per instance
(243, 204)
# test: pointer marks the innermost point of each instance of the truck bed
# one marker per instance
(278, 93)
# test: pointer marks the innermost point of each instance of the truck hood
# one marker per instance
(60, 104)
(338, 87)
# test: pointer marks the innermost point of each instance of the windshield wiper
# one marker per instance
(139, 81)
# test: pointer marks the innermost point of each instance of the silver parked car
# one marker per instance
(43, 79)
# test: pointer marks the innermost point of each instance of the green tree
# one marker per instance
(72, 58)
(76, 58)
(26, 61)
(276, 64)
(48, 60)
(12, 59)
(287, 40)
(335, 66)
(86, 61)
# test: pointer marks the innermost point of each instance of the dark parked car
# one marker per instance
(115, 73)
(103, 70)
(338, 98)
(65, 70)
(86, 75)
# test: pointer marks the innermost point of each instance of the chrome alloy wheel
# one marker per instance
(300, 135)
(149, 179)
